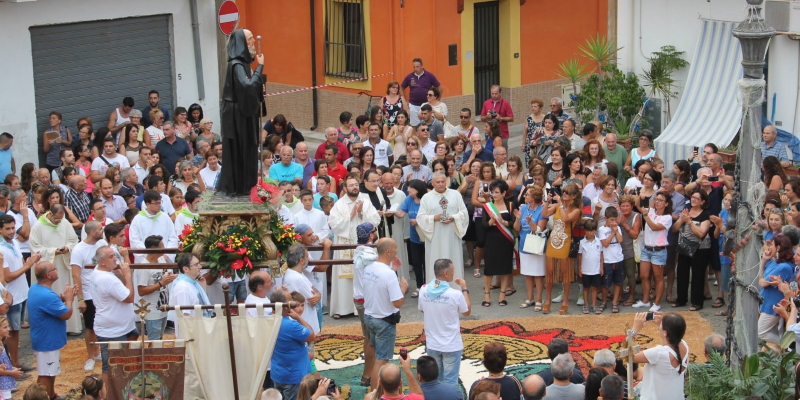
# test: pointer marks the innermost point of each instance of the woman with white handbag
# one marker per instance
(531, 227)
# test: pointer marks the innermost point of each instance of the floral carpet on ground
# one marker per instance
(339, 351)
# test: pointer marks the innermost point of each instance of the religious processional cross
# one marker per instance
(627, 353)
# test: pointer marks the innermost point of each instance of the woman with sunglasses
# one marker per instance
(693, 226)
(458, 145)
(441, 151)
(657, 222)
(566, 210)
(643, 152)
(183, 128)
(439, 107)
(392, 104)
(412, 143)
(154, 130)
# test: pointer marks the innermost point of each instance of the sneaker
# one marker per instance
(26, 368)
(580, 300)
(99, 357)
(716, 283)
(641, 304)
(23, 377)
(559, 298)
(89, 365)
(655, 307)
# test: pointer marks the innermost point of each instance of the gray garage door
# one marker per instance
(87, 68)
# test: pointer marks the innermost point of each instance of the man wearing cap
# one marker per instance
(366, 233)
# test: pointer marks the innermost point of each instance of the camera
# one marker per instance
(493, 113)
(331, 388)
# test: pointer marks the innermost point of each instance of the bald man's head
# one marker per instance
(389, 377)
(42, 269)
(533, 387)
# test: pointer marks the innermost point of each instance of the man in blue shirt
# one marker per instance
(771, 147)
(48, 313)
(286, 170)
(432, 387)
(476, 151)
(153, 99)
(290, 362)
(7, 165)
(172, 148)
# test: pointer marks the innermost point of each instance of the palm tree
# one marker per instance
(659, 77)
(573, 71)
(601, 51)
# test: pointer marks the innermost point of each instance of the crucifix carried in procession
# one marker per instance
(626, 353)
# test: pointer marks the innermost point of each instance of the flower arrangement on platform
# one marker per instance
(283, 235)
(188, 237)
(233, 253)
(265, 192)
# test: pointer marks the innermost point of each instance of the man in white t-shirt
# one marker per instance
(260, 285)
(24, 218)
(142, 167)
(109, 158)
(112, 295)
(384, 294)
(465, 127)
(383, 150)
(295, 281)
(441, 306)
(82, 255)
(152, 286)
(14, 269)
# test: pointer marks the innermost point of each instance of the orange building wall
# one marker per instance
(550, 37)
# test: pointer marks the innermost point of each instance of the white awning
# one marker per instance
(709, 111)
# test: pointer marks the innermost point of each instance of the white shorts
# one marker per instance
(6, 395)
(48, 363)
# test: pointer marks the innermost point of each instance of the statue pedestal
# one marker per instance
(218, 212)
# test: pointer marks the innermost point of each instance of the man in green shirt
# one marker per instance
(616, 154)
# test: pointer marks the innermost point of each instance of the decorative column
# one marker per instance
(754, 35)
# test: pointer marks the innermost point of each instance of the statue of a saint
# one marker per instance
(241, 103)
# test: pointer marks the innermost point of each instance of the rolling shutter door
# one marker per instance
(87, 68)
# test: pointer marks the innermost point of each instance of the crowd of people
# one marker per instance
(442, 197)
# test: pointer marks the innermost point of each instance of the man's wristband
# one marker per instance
(465, 291)
(159, 284)
(80, 299)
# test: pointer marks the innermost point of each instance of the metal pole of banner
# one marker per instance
(143, 311)
(225, 290)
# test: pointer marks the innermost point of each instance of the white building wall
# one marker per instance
(17, 103)
(783, 85)
(644, 26)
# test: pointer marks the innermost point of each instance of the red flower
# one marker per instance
(221, 246)
(279, 254)
(237, 265)
(241, 251)
(248, 262)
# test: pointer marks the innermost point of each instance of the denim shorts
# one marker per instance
(155, 328)
(15, 317)
(654, 257)
(382, 336)
(613, 274)
(238, 290)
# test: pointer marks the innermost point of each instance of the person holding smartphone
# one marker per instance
(480, 196)
(664, 376)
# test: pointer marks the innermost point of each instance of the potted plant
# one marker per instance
(728, 154)
(659, 77)
(792, 170)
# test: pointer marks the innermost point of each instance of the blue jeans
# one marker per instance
(155, 328)
(104, 347)
(449, 365)
(382, 336)
(288, 390)
(238, 290)
(726, 277)
(319, 314)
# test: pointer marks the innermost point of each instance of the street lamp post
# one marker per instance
(754, 35)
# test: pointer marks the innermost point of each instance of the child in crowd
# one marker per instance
(8, 373)
(590, 260)
(299, 308)
(610, 236)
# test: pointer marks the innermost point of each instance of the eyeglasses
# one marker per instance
(195, 265)
(697, 198)
(430, 94)
(411, 143)
(658, 199)
(423, 130)
(50, 270)
(464, 117)
(158, 202)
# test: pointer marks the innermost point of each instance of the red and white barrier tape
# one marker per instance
(330, 84)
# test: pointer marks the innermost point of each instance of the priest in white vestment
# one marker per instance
(48, 238)
(347, 214)
(442, 221)
(400, 227)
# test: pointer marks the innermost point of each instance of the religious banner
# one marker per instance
(161, 379)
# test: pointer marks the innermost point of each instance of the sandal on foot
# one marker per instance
(486, 303)
(526, 304)
(476, 273)
(336, 316)
(546, 308)
(537, 307)
(509, 292)
(599, 309)
(723, 313)
(415, 294)
(502, 303)
(695, 308)
(719, 302)
(586, 309)
(671, 299)
(364, 381)
(614, 308)
(494, 287)
(564, 309)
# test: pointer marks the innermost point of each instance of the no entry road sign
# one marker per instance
(228, 17)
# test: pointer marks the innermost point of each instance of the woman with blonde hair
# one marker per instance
(206, 135)
(154, 130)
(313, 388)
(566, 210)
